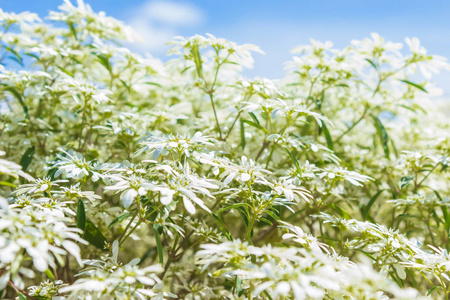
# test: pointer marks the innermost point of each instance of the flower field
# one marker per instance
(124, 176)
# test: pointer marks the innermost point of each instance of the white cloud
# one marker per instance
(157, 22)
(173, 13)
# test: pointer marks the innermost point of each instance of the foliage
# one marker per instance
(331, 183)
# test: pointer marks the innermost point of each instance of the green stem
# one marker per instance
(232, 125)
(129, 233)
(250, 228)
(425, 177)
(210, 93)
(351, 127)
(126, 228)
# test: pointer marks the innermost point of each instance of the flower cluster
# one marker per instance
(329, 183)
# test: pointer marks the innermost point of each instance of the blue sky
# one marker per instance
(276, 26)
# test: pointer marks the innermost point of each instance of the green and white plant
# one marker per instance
(330, 183)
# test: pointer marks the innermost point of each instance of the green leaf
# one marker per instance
(256, 125)
(19, 98)
(340, 211)
(154, 83)
(343, 85)
(236, 205)
(372, 63)
(446, 215)
(445, 212)
(64, 70)
(185, 69)
(294, 160)
(414, 108)
(119, 219)
(255, 119)
(268, 295)
(51, 173)
(222, 226)
(27, 157)
(327, 135)
(274, 216)
(261, 219)
(414, 85)
(366, 209)
(158, 245)
(242, 134)
(21, 296)
(72, 29)
(396, 278)
(394, 148)
(102, 59)
(17, 58)
(151, 212)
(405, 180)
(367, 254)
(238, 286)
(18, 61)
(94, 236)
(125, 85)
(49, 274)
(433, 289)
(147, 254)
(382, 134)
(407, 216)
(8, 184)
(327, 238)
(33, 55)
(436, 218)
(81, 215)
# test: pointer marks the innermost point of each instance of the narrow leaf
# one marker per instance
(382, 134)
(222, 226)
(81, 215)
(158, 245)
(417, 86)
(119, 219)
(372, 63)
(255, 119)
(366, 209)
(27, 157)
(102, 59)
(72, 29)
(8, 184)
(94, 236)
(242, 134)
(294, 160)
(49, 274)
(256, 125)
(327, 135)
(340, 211)
(236, 205)
(19, 98)
(434, 288)
(445, 212)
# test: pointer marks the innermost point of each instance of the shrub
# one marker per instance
(128, 178)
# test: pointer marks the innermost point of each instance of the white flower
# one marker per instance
(129, 187)
(73, 165)
(290, 191)
(108, 278)
(246, 171)
(339, 173)
(12, 169)
(173, 144)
